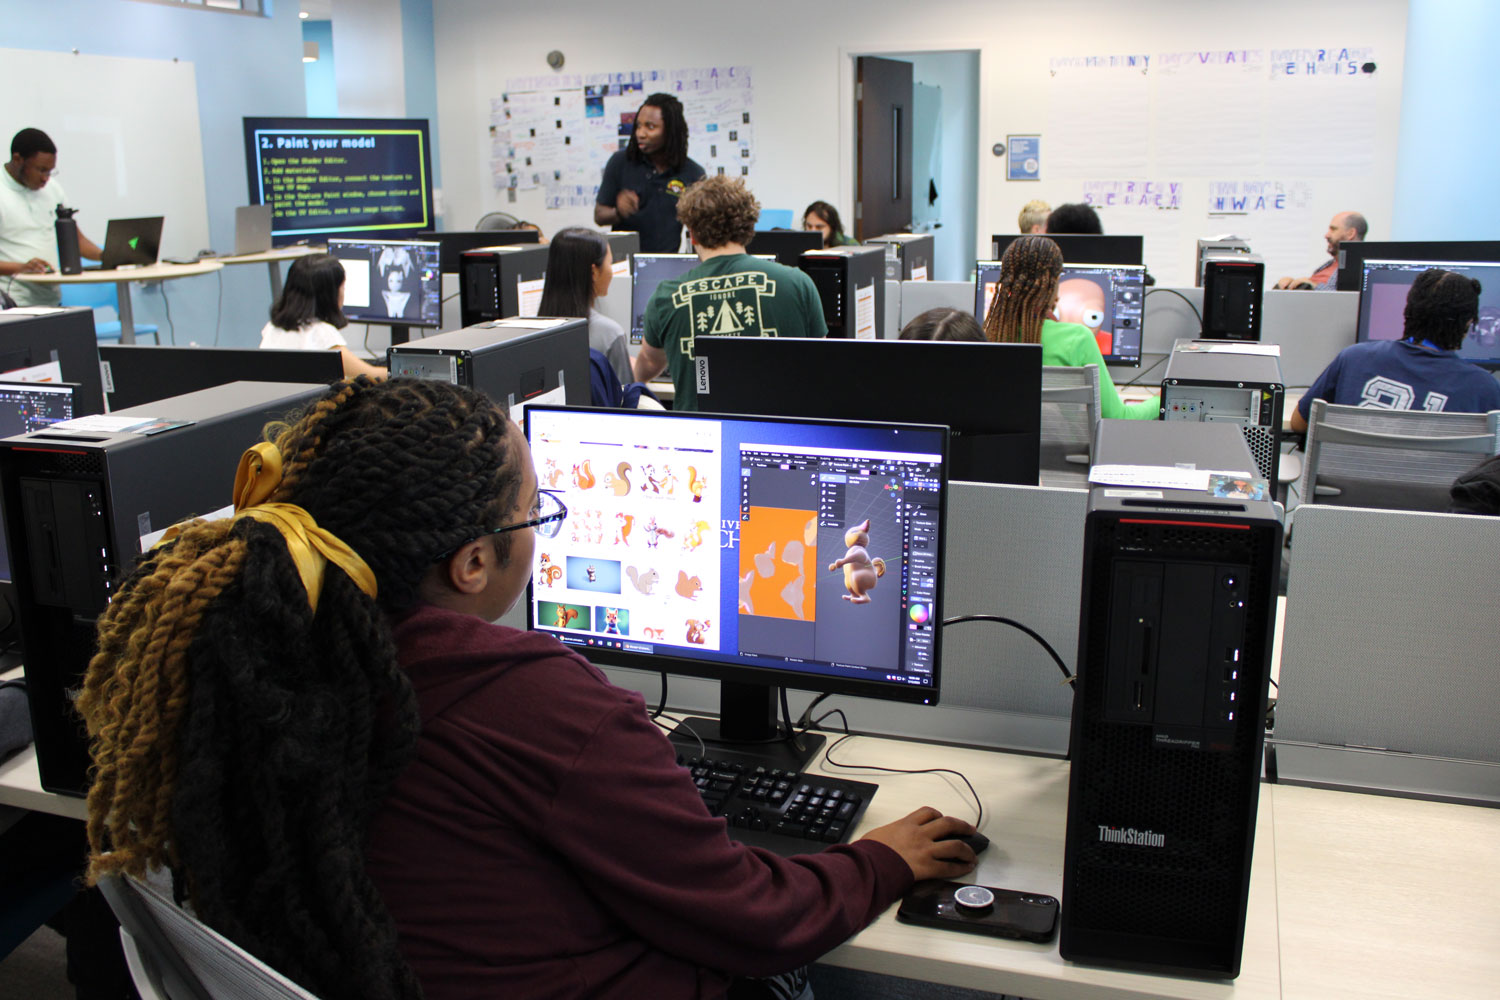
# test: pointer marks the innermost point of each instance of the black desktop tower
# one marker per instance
(76, 507)
(851, 283)
(908, 256)
(492, 281)
(1233, 289)
(512, 361)
(1174, 651)
(1207, 382)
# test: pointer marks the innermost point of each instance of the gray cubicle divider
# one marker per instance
(919, 296)
(1388, 658)
(893, 322)
(1311, 328)
(1015, 551)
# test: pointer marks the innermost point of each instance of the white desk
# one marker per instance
(273, 259)
(122, 279)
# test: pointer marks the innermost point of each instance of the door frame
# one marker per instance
(848, 109)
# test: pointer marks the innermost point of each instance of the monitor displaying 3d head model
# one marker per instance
(1109, 299)
(395, 282)
(1382, 304)
(757, 551)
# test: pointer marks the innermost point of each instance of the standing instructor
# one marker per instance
(643, 181)
(29, 196)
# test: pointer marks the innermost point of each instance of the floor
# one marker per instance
(36, 970)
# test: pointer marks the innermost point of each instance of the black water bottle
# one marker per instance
(68, 261)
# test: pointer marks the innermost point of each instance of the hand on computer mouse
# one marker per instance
(977, 841)
(920, 839)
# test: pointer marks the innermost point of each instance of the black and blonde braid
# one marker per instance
(1029, 273)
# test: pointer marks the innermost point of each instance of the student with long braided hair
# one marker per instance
(1021, 313)
(305, 714)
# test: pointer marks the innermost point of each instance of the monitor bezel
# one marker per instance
(288, 237)
(740, 672)
(387, 320)
(1110, 360)
(1362, 317)
(1127, 244)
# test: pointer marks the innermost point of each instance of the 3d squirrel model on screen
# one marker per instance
(860, 571)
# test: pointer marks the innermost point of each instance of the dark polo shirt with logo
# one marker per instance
(656, 220)
(731, 296)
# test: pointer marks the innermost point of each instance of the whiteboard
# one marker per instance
(128, 143)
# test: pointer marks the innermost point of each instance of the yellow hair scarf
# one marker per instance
(312, 548)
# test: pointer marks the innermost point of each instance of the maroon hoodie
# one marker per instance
(545, 843)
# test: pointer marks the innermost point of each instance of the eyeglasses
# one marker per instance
(546, 517)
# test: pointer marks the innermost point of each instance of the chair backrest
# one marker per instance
(1070, 414)
(95, 295)
(175, 956)
(1393, 459)
(497, 220)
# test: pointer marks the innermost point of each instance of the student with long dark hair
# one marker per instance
(1022, 313)
(580, 266)
(642, 182)
(305, 714)
(821, 217)
(310, 313)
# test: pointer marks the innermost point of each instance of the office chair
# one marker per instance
(1070, 414)
(497, 220)
(1395, 459)
(174, 956)
(103, 295)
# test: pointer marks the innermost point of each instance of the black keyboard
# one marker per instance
(786, 812)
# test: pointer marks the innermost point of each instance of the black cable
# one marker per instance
(682, 726)
(367, 340)
(1183, 298)
(1148, 371)
(828, 757)
(661, 705)
(167, 304)
(1274, 684)
(1015, 624)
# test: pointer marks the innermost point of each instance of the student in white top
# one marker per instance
(309, 314)
(579, 269)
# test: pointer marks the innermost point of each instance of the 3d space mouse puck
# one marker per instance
(974, 897)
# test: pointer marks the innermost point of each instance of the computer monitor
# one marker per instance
(990, 397)
(1382, 304)
(452, 245)
(716, 546)
(144, 373)
(1085, 248)
(27, 407)
(394, 282)
(786, 245)
(65, 338)
(647, 270)
(327, 176)
(1352, 255)
(1108, 299)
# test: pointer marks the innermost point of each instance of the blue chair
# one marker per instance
(99, 295)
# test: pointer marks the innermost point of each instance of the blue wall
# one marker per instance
(243, 66)
(322, 88)
(419, 52)
(1449, 146)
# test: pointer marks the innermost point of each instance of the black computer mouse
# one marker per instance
(976, 841)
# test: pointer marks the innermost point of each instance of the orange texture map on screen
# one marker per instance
(777, 548)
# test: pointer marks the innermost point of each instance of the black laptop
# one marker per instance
(131, 241)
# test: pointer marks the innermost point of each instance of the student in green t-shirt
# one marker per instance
(1021, 313)
(729, 294)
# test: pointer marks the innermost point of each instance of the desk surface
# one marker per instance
(151, 272)
(268, 256)
(1351, 895)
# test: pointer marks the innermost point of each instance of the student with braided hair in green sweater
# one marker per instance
(1021, 313)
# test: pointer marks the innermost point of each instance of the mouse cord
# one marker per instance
(828, 757)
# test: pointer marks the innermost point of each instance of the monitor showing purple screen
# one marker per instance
(1384, 286)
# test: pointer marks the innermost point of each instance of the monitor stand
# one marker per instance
(400, 334)
(748, 724)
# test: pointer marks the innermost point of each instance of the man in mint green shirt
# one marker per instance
(729, 294)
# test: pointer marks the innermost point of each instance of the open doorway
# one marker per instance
(944, 155)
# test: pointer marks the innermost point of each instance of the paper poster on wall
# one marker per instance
(1100, 114)
(1322, 103)
(1023, 160)
(557, 133)
(1207, 109)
